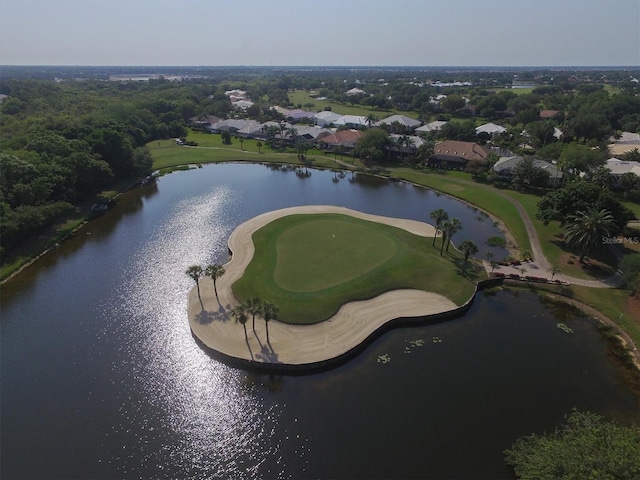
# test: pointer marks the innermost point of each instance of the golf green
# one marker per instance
(312, 264)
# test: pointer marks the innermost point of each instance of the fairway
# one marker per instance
(311, 265)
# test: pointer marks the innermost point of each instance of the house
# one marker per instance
(354, 91)
(403, 150)
(242, 104)
(504, 167)
(454, 154)
(347, 139)
(626, 142)
(351, 121)
(251, 129)
(325, 118)
(490, 129)
(298, 115)
(310, 134)
(203, 121)
(548, 114)
(231, 125)
(618, 168)
(435, 126)
(408, 123)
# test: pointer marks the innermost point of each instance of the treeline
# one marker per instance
(62, 143)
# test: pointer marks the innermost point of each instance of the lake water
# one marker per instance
(101, 377)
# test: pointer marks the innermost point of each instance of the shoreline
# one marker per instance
(303, 346)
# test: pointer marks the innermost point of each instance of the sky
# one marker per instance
(321, 32)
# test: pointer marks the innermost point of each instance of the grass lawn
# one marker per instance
(445, 181)
(166, 154)
(310, 265)
(302, 96)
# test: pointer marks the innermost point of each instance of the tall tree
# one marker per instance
(439, 216)
(269, 312)
(254, 307)
(467, 247)
(195, 272)
(215, 271)
(585, 230)
(239, 312)
(449, 229)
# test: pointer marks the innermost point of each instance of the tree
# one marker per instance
(585, 230)
(467, 247)
(630, 266)
(269, 312)
(239, 312)
(371, 119)
(214, 271)
(259, 145)
(254, 307)
(373, 141)
(425, 150)
(586, 447)
(554, 271)
(449, 228)
(195, 272)
(439, 216)
(526, 174)
(581, 196)
(226, 137)
(241, 140)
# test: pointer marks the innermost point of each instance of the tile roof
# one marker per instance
(456, 148)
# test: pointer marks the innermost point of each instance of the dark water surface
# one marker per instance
(101, 377)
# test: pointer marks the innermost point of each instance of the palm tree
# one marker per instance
(259, 145)
(407, 143)
(371, 119)
(239, 312)
(215, 271)
(269, 312)
(449, 228)
(440, 216)
(241, 140)
(254, 307)
(195, 272)
(467, 247)
(292, 133)
(584, 230)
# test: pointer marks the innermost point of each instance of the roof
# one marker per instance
(620, 167)
(297, 114)
(354, 91)
(406, 121)
(231, 124)
(506, 164)
(626, 138)
(459, 149)
(327, 117)
(490, 128)
(548, 113)
(351, 120)
(311, 132)
(343, 137)
(431, 127)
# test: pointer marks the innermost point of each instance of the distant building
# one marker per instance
(403, 120)
(454, 154)
(504, 167)
(354, 91)
(626, 142)
(346, 139)
(325, 118)
(435, 126)
(351, 121)
(619, 168)
(490, 129)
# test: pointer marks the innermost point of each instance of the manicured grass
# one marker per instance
(167, 154)
(302, 97)
(478, 195)
(310, 265)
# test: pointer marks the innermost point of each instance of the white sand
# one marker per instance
(211, 322)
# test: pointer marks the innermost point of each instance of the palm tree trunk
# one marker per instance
(443, 240)
(215, 289)
(266, 325)
(434, 238)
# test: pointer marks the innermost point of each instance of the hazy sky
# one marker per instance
(320, 32)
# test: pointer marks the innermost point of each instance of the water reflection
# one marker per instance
(102, 378)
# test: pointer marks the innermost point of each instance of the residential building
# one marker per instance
(454, 154)
(504, 167)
